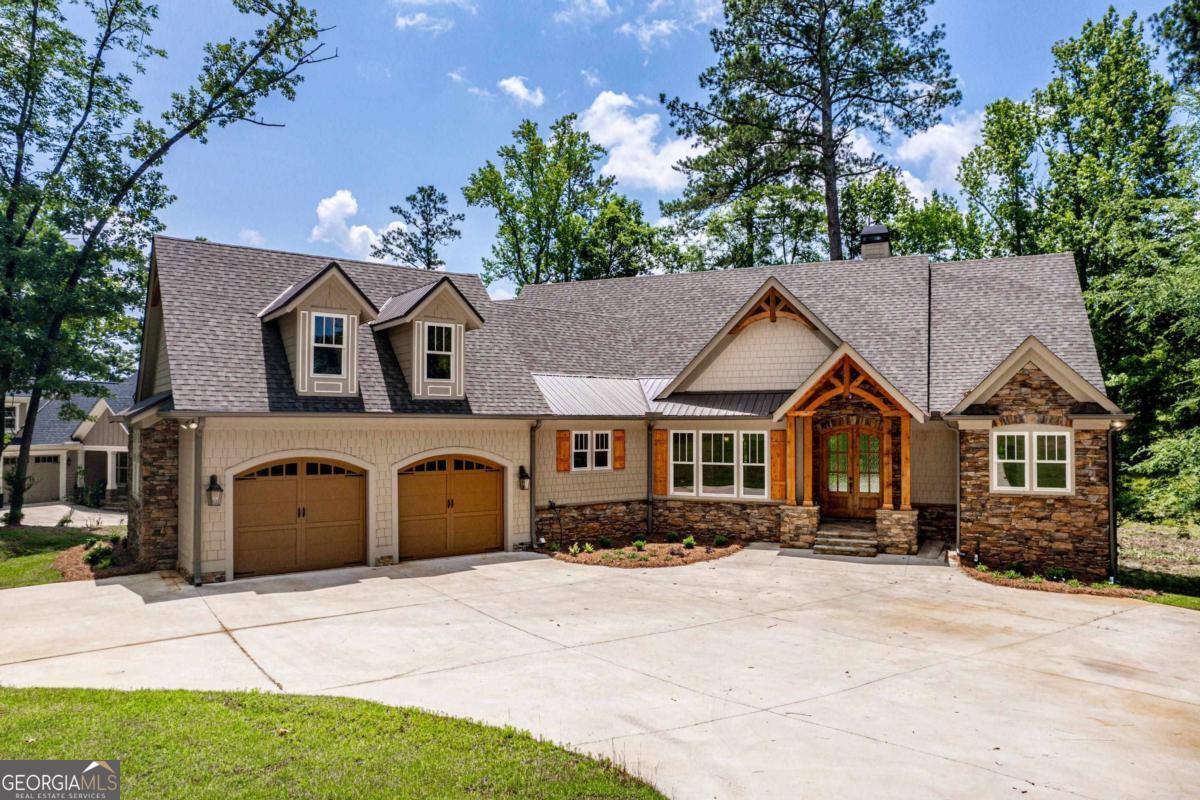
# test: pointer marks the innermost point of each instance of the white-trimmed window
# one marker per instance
(683, 462)
(121, 468)
(581, 450)
(439, 352)
(11, 418)
(601, 450)
(753, 470)
(329, 345)
(718, 464)
(1032, 460)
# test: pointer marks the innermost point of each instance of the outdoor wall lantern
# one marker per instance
(214, 491)
(523, 478)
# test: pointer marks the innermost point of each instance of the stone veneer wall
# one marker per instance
(936, 520)
(747, 522)
(591, 520)
(896, 531)
(1036, 531)
(154, 517)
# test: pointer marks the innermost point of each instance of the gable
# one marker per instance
(763, 356)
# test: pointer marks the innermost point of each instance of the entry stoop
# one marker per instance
(846, 538)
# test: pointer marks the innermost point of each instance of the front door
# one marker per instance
(850, 472)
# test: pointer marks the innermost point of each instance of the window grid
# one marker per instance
(1050, 466)
(753, 471)
(683, 462)
(601, 450)
(718, 464)
(329, 345)
(581, 450)
(439, 352)
(1031, 461)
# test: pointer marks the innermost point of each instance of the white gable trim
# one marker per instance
(474, 321)
(1032, 350)
(846, 350)
(85, 427)
(718, 342)
(331, 272)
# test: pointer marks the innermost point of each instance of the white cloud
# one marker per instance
(649, 31)
(591, 77)
(920, 190)
(937, 152)
(663, 19)
(583, 11)
(251, 237)
(501, 291)
(479, 92)
(421, 21)
(636, 157)
(457, 75)
(516, 87)
(332, 226)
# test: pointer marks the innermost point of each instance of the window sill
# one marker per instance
(710, 498)
(1032, 492)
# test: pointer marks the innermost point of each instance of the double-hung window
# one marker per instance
(591, 450)
(683, 462)
(121, 467)
(601, 450)
(1031, 461)
(754, 464)
(439, 352)
(718, 464)
(581, 450)
(10, 419)
(329, 345)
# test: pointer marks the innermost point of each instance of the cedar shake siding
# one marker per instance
(1036, 532)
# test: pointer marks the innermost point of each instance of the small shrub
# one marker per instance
(604, 542)
(99, 555)
(639, 544)
(720, 540)
(689, 541)
(672, 538)
(588, 547)
(1011, 574)
(643, 557)
(65, 519)
(1036, 579)
(1059, 574)
(1074, 583)
(982, 568)
(573, 549)
(554, 547)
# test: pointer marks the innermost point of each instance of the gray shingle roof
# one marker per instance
(624, 328)
(51, 428)
(984, 309)
(299, 287)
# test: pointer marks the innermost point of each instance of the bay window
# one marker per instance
(1031, 460)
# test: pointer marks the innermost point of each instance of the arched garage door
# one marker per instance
(299, 514)
(449, 506)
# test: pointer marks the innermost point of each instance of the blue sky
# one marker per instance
(425, 91)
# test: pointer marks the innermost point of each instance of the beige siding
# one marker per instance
(934, 463)
(401, 338)
(604, 486)
(765, 356)
(187, 463)
(288, 332)
(230, 443)
(162, 365)
(107, 433)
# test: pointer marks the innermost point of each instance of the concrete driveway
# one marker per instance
(762, 675)
(49, 514)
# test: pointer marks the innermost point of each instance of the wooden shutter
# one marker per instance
(618, 449)
(778, 465)
(562, 447)
(660, 460)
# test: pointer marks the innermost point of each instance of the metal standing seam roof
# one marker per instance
(584, 346)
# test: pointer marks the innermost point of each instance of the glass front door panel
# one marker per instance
(838, 462)
(868, 463)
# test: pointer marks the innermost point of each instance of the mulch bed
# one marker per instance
(1056, 586)
(656, 554)
(73, 567)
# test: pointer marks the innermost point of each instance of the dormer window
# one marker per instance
(439, 352)
(329, 345)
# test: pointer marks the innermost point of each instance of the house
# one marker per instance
(71, 459)
(294, 413)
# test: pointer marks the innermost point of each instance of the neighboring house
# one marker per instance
(293, 413)
(71, 459)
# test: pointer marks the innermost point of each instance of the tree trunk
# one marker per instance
(16, 506)
(832, 212)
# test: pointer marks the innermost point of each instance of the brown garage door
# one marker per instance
(450, 505)
(298, 515)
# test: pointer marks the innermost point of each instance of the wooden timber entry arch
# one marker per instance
(847, 379)
(299, 514)
(450, 505)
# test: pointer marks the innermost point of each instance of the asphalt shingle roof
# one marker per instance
(51, 428)
(224, 359)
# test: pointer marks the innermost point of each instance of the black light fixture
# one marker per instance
(214, 491)
(523, 478)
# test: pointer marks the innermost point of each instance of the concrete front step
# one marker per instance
(841, 546)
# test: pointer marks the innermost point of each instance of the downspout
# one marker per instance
(197, 498)
(649, 475)
(533, 479)
(1112, 506)
(957, 489)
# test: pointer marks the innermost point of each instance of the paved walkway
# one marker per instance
(49, 514)
(763, 675)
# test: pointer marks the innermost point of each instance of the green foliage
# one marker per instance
(1178, 28)
(588, 547)
(639, 544)
(27, 555)
(619, 243)
(935, 227)
(1167, 482)
(671, 537)
(605, 542)
(573, 549)
(689, 541)
(428, 224)
(720, 540)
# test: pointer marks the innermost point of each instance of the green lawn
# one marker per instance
(250, 745)
(27, 554)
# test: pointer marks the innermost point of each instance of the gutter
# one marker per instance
(957, 489)
(197, 498)
(533, 484)
(1112, 506)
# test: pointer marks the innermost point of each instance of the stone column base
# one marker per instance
(896, 531)
(798, 526)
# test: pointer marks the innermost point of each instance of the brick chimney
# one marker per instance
(876, 242)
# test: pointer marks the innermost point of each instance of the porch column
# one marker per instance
(905, 463)
(808, 460)
(889, 502)
(791, 460)
(110, 481)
